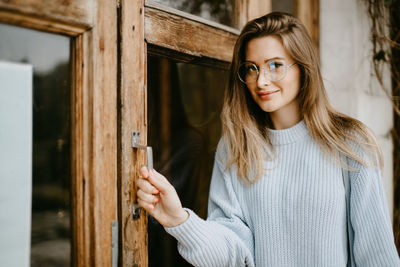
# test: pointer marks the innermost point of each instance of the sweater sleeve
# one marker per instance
(224, 239)
(373, 235)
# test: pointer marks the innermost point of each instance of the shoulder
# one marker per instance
(223, 160)
(221, 153)
(364, 150)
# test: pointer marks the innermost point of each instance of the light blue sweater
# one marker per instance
(294, 216)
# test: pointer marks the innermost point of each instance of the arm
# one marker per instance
(224, 239)
(373, 235)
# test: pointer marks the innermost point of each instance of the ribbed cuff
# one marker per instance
(184, 232)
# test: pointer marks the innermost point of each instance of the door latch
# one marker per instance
(136, 144)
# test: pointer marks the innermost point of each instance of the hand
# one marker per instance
(157, 196)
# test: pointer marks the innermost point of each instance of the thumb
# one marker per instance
(144, 172)
(159, 181)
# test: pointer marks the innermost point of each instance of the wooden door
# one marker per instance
(158, 43)
(155, 36)
(91, 27)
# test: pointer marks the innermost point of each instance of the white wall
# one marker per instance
(15, 163)
(345, 50)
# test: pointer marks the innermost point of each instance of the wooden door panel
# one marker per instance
(92, 25)
(132, 117)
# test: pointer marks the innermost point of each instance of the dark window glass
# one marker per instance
(49, 55)
(184, 105)
(221, 11)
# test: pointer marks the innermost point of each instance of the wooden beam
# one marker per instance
(245, 10)
(308, 12)
(132, 116)
(188, 34)
(79, 170)
(103, 128)
(240, 13)
(94, 135)
(257, 8)
(71, 12)
(41, 24)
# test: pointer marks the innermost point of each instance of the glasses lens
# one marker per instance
(248, 72)
(276, 69)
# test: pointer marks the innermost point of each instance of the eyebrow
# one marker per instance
(268, 59)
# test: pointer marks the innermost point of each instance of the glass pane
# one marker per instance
(220, 11)
(184, 104)
(49, 55)
(283, 6)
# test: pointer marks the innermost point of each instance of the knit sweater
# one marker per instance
(295, 215)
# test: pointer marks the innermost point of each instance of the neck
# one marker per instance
(285, 117)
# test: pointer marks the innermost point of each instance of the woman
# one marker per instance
(277, 196)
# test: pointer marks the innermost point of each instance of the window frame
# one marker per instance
(91, 25)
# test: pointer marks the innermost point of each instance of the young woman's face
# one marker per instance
(276, 88)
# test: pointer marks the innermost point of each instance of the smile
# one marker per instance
(266, 95)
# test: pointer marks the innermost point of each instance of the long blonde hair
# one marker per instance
(245, 124)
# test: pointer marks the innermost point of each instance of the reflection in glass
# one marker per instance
(283, 6)
(220, 11)
(184, 104)
(49, 55)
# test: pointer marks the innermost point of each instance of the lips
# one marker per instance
(266, 94)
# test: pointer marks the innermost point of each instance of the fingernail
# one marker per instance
(151, 207)
(156, 199)
(156, 191)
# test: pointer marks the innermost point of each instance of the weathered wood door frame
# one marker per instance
(92, 26)
(150, 28)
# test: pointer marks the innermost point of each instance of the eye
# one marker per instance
(275, 64)
(250, 68)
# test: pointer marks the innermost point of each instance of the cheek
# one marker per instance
(251, 89)
(292, 85)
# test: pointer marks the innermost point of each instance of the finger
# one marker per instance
(146, 186)
(147, 206)
(159, 181)
(147, 197)
(144, 172)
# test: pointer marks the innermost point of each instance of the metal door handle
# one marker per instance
(136, 144)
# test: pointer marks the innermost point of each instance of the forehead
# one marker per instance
(266, 47)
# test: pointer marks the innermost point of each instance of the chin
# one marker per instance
(268, 108)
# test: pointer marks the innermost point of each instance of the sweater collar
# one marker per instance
(289, 135)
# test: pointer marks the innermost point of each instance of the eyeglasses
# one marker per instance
(275, 70)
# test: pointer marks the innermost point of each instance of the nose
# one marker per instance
(263, 78)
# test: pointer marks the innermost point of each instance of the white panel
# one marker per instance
(15, 163)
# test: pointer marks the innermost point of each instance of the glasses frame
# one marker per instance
(265, 71)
